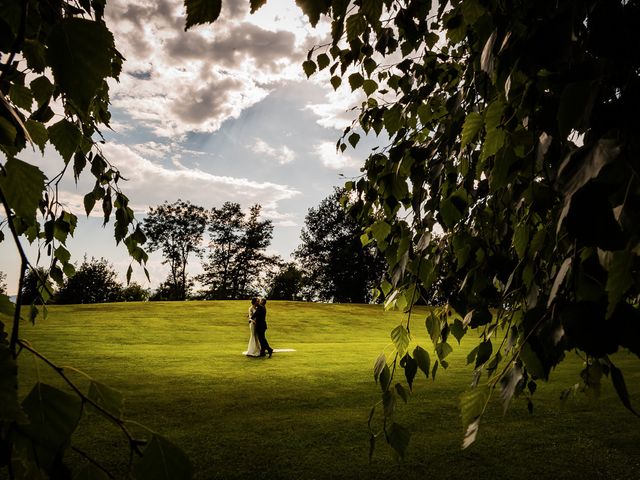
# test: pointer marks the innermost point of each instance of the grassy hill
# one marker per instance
(303, 414)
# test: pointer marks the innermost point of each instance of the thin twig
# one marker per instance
(91, 460)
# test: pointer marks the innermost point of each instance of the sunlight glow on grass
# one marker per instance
(303, 414)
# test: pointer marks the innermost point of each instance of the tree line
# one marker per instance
(330, 265)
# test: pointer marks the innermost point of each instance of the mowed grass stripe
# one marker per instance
(303, 414)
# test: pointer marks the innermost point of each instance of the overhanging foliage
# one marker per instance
(511, 182)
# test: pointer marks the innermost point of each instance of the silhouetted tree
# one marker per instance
(236, 261)
(336, 266)
(32, 285)
(286, 283)
(134, 292)
(95, 281)
(176, 229)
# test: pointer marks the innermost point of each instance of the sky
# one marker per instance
(220, 113)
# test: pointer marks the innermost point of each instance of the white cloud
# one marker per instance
(283, 154)
(338, 110)
(333, 159)
(175, 82)
(156, 183)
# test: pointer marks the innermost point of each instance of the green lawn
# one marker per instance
(303, 414)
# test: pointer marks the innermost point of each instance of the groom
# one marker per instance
(260, 317)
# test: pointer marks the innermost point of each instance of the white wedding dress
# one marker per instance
(253, 348)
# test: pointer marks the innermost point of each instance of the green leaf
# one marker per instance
(313, 9)
(576, 104)
(89, 202)
(369, 86)
(62, 254)
(21, 96)
(256, 4)
(369, 65)
(8, 132)
(400, 338)
(355, 81)
(38, 133)
(80, 53)
(521, 239)
(22, 186)
(493, 115)
(471, 128)
(451, 214)
(433, 327)
(457, 329)
(34, 53)
(562, 273)
(388, 403)
(354, 138)
(381, 362)
(493, 142)
(53, 417)
(484, 352)
(42, 89)
(434, 370)
(65, 137)
(471, 356)
(402, 392)
(309, 67)
(108, 398)
(471, 11)
(442, 350)
(472, 404)
(399, 437)
(392, 119)
(372, 9)
(200, 12)
(162, 460)
(620, 278)
(385, 377)
(380, 230)
(421, 357)
(336, 82)
(532, 362)
(323, 61)
(356, 25)
(621, 388)
(410, 367)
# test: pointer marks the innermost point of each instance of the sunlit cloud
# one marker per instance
(338, 110)
(333, 159)
(175, 82)
(156, 183)
(282, 155)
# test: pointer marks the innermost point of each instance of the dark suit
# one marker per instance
(260, 317)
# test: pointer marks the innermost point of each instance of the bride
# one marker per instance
(253, 348)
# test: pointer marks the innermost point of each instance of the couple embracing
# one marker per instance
(258, 345)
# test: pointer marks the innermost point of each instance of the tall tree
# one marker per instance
(225, 230)
(514, 151)
(176, 229)
(95, 281)
(286, 283)
(335, 265)
(3, 283)
(236, 261)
